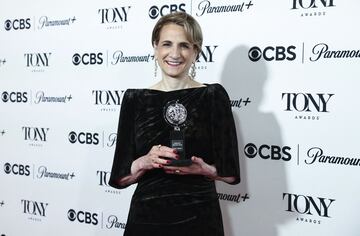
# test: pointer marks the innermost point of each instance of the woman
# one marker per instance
(172, 198)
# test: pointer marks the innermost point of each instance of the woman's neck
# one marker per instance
(169, 84)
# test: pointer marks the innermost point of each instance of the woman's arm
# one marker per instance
(154, 159)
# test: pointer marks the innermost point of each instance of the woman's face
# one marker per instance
(174, 52)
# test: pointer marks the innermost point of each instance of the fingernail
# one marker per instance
(175, 151)
(177, 157)
(161, 166)
(168, 162)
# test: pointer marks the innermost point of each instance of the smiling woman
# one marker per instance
(174, 140)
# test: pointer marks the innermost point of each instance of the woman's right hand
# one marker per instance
(155, 158)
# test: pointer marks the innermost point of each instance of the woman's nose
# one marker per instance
(175, 52)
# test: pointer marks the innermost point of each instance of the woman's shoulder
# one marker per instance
(217, 89)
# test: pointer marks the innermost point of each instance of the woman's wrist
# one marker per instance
(210, 172)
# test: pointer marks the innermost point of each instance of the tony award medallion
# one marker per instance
(175, 115)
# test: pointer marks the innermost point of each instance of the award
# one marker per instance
(175, 115)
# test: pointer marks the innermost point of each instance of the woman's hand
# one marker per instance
(155, 158)
(198, 167)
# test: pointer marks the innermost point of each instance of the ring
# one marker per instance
(177, 171)
(159, 146)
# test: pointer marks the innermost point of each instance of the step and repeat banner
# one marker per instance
(291, 69)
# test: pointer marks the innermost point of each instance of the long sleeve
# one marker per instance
(224, 140)
(125, 144)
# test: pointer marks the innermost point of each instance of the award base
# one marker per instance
(186, 162)
(177, 142)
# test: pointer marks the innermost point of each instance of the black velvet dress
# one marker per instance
(169, 204)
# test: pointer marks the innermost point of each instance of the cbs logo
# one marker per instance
(17, 169)
(17, 24)
(87, 59)
(278, 53)
(14, 97)
(84, 138)
(265, 151)
(83, 217)
(155, 11)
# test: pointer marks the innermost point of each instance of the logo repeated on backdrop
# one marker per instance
(92, 58)
(119, 57)
(316, 155)
(311, 209)
(307, 106)
(321, 51)
(108, 100)
(103, 139)
(114, 18)
(272, 53)
(268, 152)
(83, 217)
(103, 180)
(233, 197)
(44, 173)
(240, 103)
(41, 97)
(37, 97)
(46, 22)
(36, 210)
(18, 24)
(2, 132)
(37, 173)
(206, 57)
(14, 97)
(205, 7)
(17, 169)
(109, 58)
(37, 62)
(35, 136)
(96, 219)
(311, 7)
(43, 22)
(158, 11)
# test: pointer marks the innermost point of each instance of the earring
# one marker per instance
(155, 68)
(192, 71)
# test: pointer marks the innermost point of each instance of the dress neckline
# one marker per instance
(177, 90)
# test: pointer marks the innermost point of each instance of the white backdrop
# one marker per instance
(291, 69)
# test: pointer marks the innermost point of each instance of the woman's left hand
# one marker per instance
(198, 167)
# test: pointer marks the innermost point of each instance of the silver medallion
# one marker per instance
(175, 113)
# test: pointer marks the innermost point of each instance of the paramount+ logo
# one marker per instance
(268, 152)
(272, 53)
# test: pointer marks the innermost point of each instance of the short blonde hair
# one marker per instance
(191, 27)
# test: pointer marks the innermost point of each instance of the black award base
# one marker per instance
(177, 142)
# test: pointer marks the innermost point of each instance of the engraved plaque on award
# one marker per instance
(175, 115)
